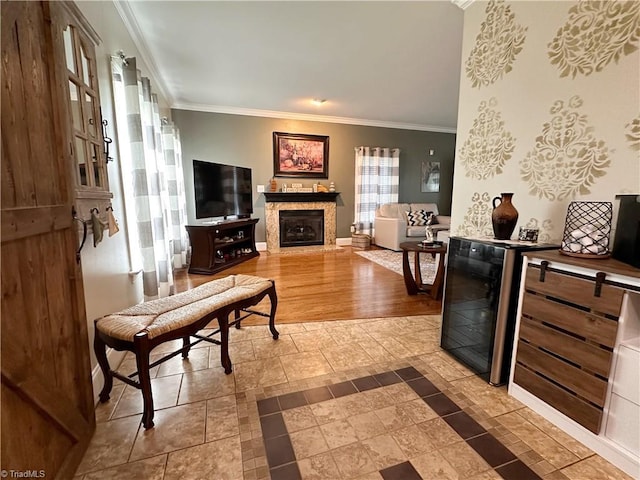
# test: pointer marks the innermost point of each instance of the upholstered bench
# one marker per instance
(141, 328)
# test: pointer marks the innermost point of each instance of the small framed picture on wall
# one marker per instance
(430, 177)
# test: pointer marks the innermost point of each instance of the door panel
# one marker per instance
(47, 405)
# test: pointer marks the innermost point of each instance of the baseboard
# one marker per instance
(114, 357)
(341, 242)
(600, 444)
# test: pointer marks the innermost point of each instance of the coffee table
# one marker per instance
(415, 285)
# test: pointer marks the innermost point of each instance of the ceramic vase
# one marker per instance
(504, 216)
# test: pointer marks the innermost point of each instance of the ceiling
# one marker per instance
(394, 64)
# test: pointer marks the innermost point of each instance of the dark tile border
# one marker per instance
(401, 471)
(281, 457)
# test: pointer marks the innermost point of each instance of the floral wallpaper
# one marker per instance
(488, 145)
(499, 41)
(477, 220)
(594, 35)
(632, 132)
(548, 110)
(567, 157)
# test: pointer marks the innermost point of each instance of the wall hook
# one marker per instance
(107, 140)
(74, 216)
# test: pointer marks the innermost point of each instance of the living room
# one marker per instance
(520, 107)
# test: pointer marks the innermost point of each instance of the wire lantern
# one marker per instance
(587, 229)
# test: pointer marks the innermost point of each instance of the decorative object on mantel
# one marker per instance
(332, 187)
(504, 217)
(274, 185)
(300, 196)
(587, 229)
(299, 155)
(297, 188)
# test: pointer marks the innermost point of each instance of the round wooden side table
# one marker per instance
(415, 285)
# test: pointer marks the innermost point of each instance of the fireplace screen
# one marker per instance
(301, 227)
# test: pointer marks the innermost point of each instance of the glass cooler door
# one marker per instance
(472, 304)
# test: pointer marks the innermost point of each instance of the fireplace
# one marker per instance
(301, 227)
(278, 203)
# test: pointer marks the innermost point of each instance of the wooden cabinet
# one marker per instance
(217, 247)
(567, 334)
(74, 42)
(577, 351)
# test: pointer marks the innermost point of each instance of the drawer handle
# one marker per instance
(543, 270)
(599, 281)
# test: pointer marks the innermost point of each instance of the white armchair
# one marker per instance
(391, 227)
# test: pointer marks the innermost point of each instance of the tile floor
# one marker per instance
(362, 399)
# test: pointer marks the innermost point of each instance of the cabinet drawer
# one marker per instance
(582, 383)
(574, 350)
(626, 379)
(623, 423)
(593, 327)
(575, 408)
(575, 290)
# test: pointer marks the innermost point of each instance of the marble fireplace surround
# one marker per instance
(272, 221)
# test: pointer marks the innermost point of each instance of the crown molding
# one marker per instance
(463, 4)
(309, 117)
(131, 24)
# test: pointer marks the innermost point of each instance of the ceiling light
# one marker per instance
(318, 101)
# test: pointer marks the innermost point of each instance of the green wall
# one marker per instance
(247, 141)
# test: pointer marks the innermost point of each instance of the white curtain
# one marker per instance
(377, 180)
(153, 184)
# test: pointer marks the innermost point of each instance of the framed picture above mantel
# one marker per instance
(300, 155)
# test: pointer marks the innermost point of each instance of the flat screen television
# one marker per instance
(222, 190)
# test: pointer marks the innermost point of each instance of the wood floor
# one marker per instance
(319, 286)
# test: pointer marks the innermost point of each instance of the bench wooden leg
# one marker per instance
(185, 344)
(223, 323)
(273, 298)
(141, 342)
(100, 349)
(236, 313)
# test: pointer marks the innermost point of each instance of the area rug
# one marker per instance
(393, 261)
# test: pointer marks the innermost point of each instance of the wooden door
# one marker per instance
(47, 400)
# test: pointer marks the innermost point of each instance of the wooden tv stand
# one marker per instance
(221, 245)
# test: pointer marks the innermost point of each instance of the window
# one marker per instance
(376, 182)
(84, 109)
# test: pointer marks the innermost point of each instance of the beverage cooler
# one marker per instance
(480, 302)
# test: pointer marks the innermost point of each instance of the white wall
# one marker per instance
(108, 287)
(523, 111)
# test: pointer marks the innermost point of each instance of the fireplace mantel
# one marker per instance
(299, 201)
(301, 196)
